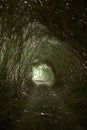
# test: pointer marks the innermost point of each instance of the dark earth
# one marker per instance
(45, 110)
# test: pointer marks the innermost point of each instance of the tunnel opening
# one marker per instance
(42, 75)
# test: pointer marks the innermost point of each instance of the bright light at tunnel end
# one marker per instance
(42, 75)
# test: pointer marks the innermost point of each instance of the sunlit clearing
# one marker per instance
(42, 75)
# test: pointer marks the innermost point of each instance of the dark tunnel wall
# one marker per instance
(66, 19)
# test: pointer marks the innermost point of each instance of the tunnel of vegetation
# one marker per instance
(20, 60)
(55, 40)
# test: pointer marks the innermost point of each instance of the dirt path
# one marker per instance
(45, 110)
